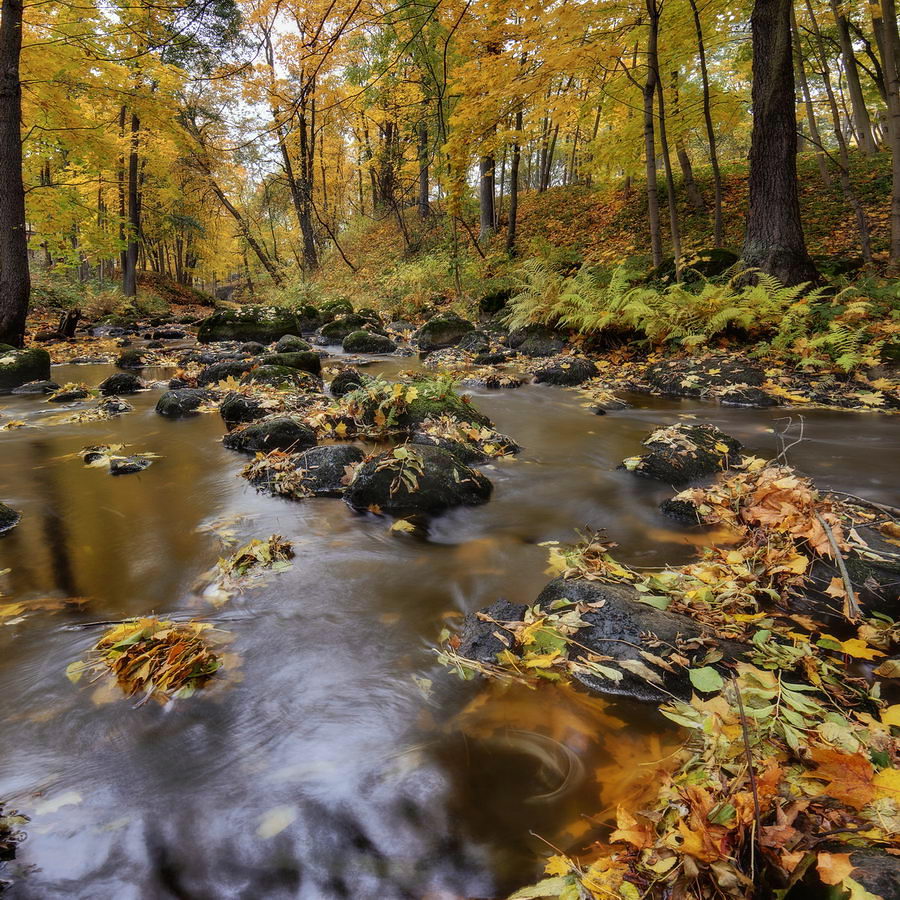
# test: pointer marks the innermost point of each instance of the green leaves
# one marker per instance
(706, 679)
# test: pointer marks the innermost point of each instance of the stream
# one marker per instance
(341, 761)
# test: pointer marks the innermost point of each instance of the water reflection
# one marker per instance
(325, 772)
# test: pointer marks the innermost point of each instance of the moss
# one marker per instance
(305, 360)
(250, 323)
(18, 367)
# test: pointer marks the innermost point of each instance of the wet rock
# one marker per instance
(368, 342)
(335, 332)
(331, 309)
(467, 451)
(236, 409)
(621, 628)
(221, 371)
(249, 323)
(682, 511)
(479, 637)
(253, 348)
(279, 433)
(181, 402)
(423, 480)
(128, 465)
(18, 367)
(451, 404)
(567, 371)
(290, 343)
(283, 377)
(490, 359)
(752, 397)
(535, 340)
(169, 334)
(474, 342)
(36, 387)
(310, 318)
(444, 330)
(305, 360)
(69, 396)
(121, 383)
(682, 452)
(154, 345)
(9, 517)
(176, 383)
(325, 469)
(345, 381)
(608, 403)
(130, 359)
(114, 406)
(401, 326)
(696, 377)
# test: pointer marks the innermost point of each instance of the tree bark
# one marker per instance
(718, 224)
(649, 135)
(424, 205)
(15, 280)
(129, 273)
(816, 143)
(861, 121)
(774, 242)
(667, 165)
(891, 52)
(486, 198)
(684, 160)
(514, 188)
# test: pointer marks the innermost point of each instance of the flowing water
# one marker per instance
(329, 767)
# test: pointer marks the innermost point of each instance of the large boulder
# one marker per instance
(368, 342)
(222, 371)
(290, 343)
(121, 383)
(18, 367)
(444, 330)
(9, 517)
(535, 340)
(474, 342)
(249, 323)
(279, 433)
(305, 360)
(682, 452)
(36, 387)
(130, 359)
(181, 402)
(567, 371)
(331, 309)
(449, 404)
(284, 378)
(696, 377)
(416, 479)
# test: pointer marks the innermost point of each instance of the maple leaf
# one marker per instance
(628, 829)
(833, 868)
(849, 776)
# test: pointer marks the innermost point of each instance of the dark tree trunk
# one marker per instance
(123, 209)
(424, 206)
(129, 274)
(891, 52)
(486, 198)
(514, 188)
(774, 241)
(815, 140)
(15, 281)
(863, 124)
(649, 134)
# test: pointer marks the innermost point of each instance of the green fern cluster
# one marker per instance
(796, 323)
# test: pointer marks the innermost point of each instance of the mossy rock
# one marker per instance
(181, 402)
(444, 330)
(222, 371)
(336, 331)
(283, 377)
(304, 360)
(290, 343)
(18, 367)
(280, 433)
(331, 309)
(453, 405)
(567, 371)
(249, 323)
(495, 294)
(368, 342)
(130, 359)
(9, 517)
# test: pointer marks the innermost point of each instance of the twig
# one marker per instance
(784, 449)
(851, 610)
(892, 511)
(752, 774)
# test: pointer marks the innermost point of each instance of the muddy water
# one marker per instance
(326, 771)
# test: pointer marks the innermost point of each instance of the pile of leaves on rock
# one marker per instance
(788, 772)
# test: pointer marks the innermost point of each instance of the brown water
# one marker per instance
(378, 790)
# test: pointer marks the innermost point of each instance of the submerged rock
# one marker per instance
(345, 381)
(128, 465)
(249, 323)
(290, 343)
(121, 383)
(181, 402)
(36, 387)
(682, 452)
(567, 371)
(444, 330)
(368, 342)
(18, 367)
(416, 479)
(169, 334)
(279, 433)
(535, 340)
(9, 517)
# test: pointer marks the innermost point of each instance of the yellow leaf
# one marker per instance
(833, 868)
(887, 784)
(557, 865)
(891, 716)
(404, 526)
(341, 429)
(861, 650)
(541, 660)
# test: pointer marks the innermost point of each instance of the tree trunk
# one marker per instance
(667, 165)
(514, 188)
(774, 241)
(816, 138)
(862, 122)
(718, 224)
(486, 198)
(424, 206)
(15, 281)
(891, 52)
(684, 160)
(129, 273)
(649, 135)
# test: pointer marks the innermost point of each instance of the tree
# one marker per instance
(774, 241)
(15, 281)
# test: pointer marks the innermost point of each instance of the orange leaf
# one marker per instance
(833, 868)
(849, 776)
(628, 829)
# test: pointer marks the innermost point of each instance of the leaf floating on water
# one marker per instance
(275, 821)
(53, 804)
